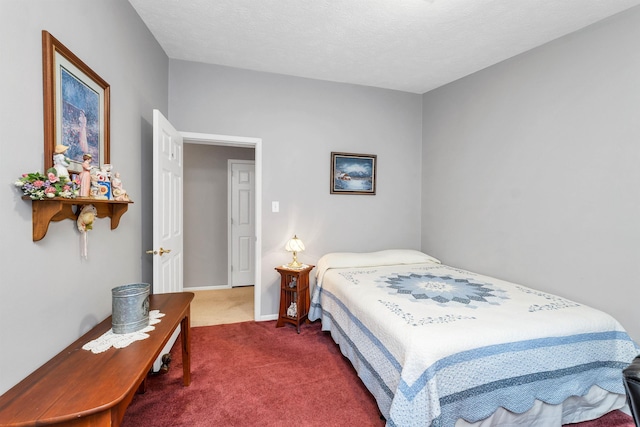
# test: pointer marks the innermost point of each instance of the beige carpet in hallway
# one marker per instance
(221, 306)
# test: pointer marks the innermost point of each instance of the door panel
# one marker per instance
(242, 223)
(167, 213)
(167, 206)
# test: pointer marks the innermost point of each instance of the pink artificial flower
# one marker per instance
(53, 177)
(66, 188)
(38, 183)
(50, 190)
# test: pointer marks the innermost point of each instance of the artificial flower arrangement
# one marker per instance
(39, 186)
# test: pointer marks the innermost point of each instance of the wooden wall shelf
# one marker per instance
(57, 209)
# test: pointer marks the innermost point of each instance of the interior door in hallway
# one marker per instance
(168, 231)
(241, 223)
(168, 156)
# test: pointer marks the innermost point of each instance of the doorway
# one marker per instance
(206, 214)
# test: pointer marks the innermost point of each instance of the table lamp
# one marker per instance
(294, 245)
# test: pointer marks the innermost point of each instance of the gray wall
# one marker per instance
(205, 212)
(48, 296)
(528, 170)
(300, 122)
(531, 169)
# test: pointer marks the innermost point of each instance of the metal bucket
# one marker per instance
(130, 306)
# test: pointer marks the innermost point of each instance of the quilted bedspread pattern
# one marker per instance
(435, 343)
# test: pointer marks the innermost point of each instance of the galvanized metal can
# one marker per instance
(130, 308)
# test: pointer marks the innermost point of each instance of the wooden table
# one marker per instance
(79, 388)
(294, 288)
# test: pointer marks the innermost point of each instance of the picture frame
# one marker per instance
(353, 173)
(76, 107)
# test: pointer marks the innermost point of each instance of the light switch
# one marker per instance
(275, 206)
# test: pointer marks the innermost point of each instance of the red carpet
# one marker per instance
(252, 374)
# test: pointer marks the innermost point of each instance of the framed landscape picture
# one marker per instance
(76, 107)
(353, 173)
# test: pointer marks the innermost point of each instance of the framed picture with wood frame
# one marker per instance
(353, 173)
(76, 107)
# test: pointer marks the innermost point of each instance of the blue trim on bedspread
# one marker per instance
(520, 346)
(354, 349)
(432, 400)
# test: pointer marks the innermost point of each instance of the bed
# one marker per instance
(440, 346)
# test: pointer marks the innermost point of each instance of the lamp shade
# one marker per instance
(294, 245)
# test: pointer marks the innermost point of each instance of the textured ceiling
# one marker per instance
(407, 45)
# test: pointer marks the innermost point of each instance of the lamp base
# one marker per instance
(295, 265)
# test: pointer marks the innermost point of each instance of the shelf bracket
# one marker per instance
(58, 209)
(45, 211)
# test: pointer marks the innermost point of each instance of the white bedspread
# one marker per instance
(435, 343)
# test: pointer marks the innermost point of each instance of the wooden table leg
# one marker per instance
(143, 387)
(186, 348)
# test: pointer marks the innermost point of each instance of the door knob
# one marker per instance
(161, 252)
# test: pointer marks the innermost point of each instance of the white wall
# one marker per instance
(206, 211)
(300, 122)
(531, 169)
(48, 296)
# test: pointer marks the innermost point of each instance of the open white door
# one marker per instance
(167, 212)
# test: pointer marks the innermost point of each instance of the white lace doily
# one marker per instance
(109, 339)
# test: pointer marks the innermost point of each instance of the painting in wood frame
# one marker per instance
(76, 107)
(353, 173)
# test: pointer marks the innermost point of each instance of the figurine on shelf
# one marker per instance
(86, 217)
(294, 282)
(292, 311)
(104, 174)
(104, 182)
(85, 176)
(60, 161)
(94, 192)
(119, 193)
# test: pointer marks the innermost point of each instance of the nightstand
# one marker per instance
(294, 295)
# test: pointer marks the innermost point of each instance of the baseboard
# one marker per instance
(204, 288)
